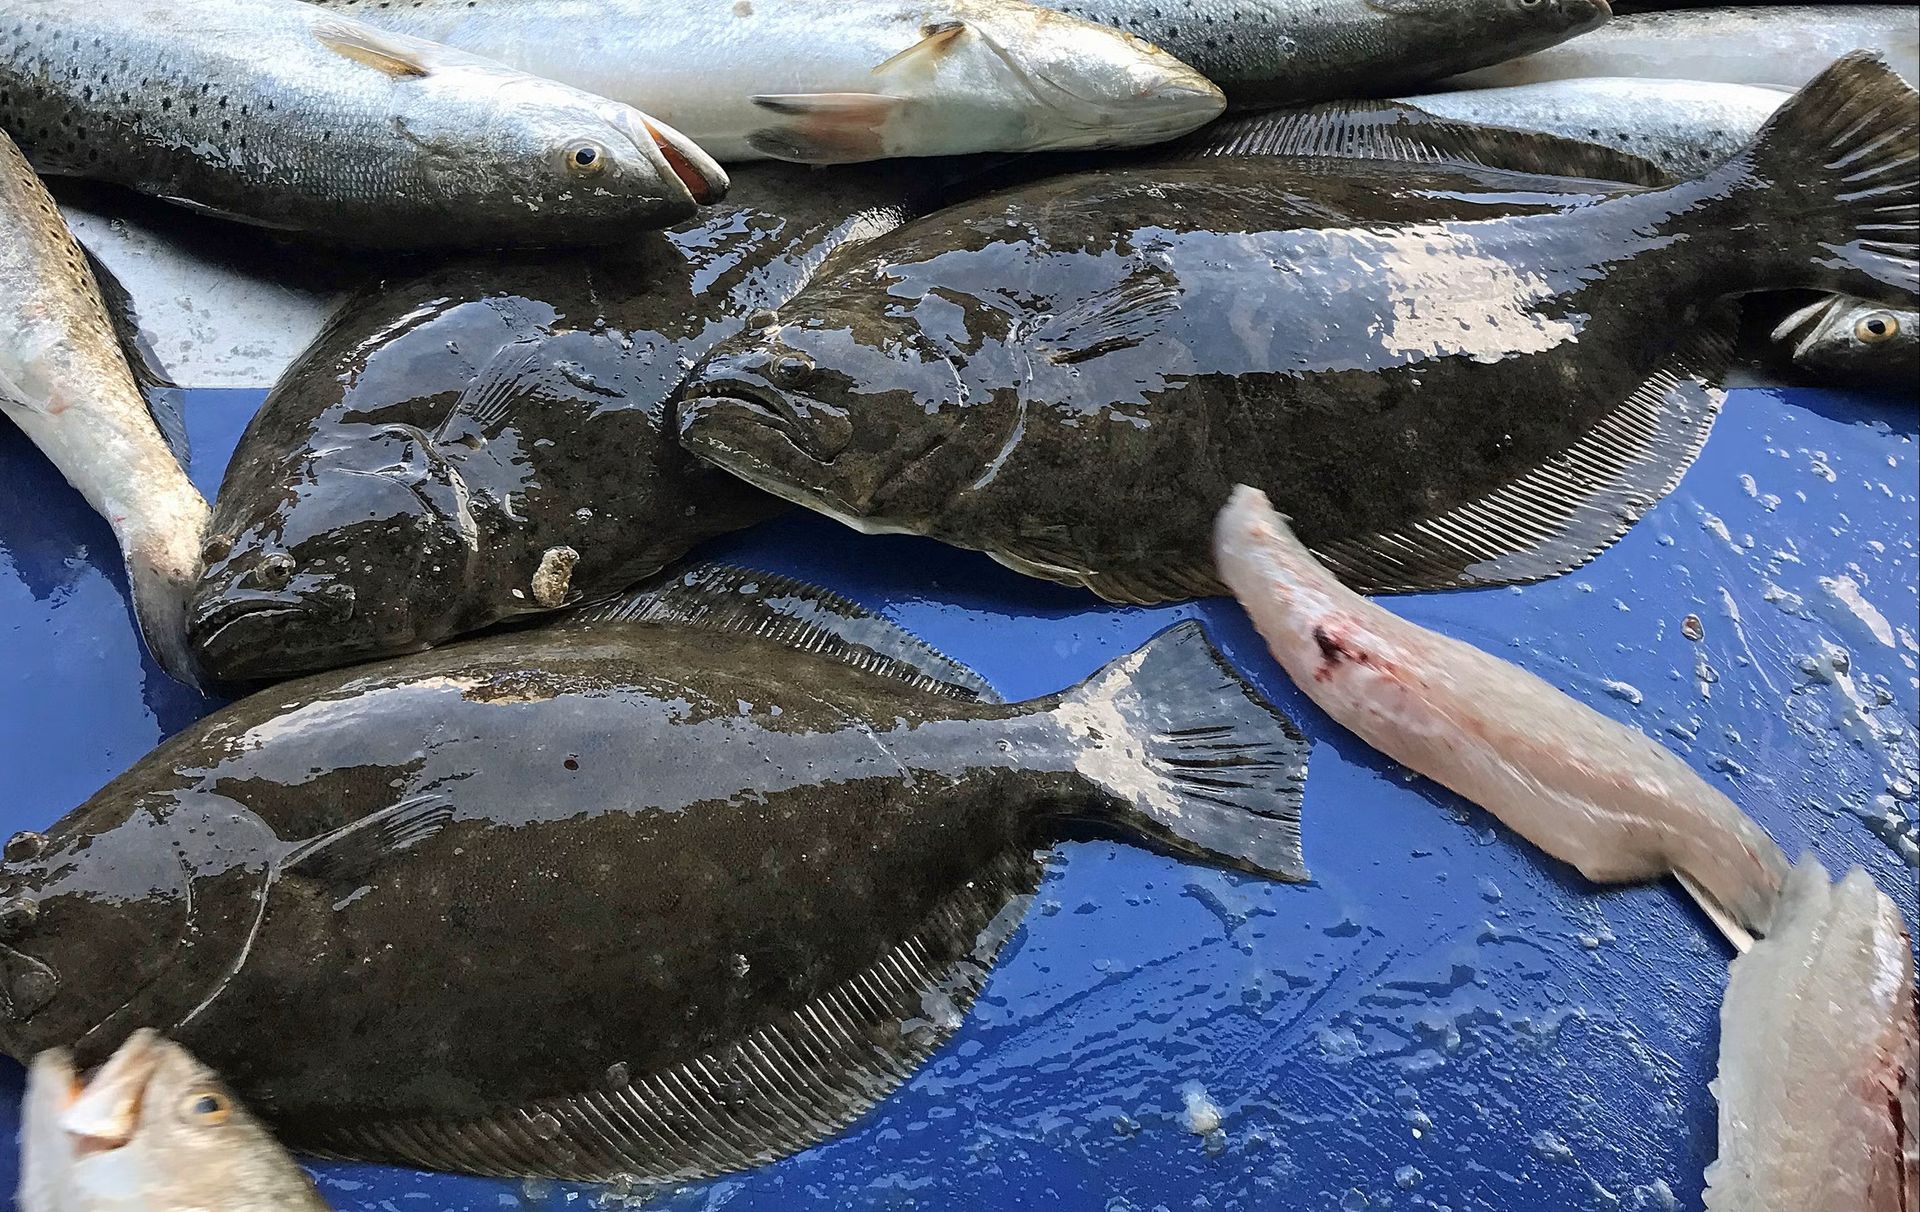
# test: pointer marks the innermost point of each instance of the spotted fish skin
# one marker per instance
(1270, 51)
(276, 113)
(65, 380)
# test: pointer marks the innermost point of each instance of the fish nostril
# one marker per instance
(17, 915)
(25, 846)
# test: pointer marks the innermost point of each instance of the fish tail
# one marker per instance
(1191, 757)
(1839, 164)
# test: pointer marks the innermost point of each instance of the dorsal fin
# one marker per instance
(393, 54)
(1387, 130)
(162, 394)
(794, 1082)
(721, 597)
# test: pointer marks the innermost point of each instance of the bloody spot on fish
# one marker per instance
(1332, 652)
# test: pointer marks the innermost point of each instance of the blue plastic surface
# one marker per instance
(1443, 1019)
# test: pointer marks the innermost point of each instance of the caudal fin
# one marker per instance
(1195, 761)
(1840, 164)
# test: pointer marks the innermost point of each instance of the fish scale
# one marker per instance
(281, 115)
(1310, 50)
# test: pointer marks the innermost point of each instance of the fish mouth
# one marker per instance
(697, 172)
(219, 628)
(708, 422)
(105, 1112)
(1808, 324)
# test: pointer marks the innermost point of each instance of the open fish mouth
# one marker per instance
(1808, 324)
(697, 172)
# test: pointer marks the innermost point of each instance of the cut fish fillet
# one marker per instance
(1585, 788)
(1819, 1056)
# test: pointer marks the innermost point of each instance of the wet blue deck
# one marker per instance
(1443, 1019)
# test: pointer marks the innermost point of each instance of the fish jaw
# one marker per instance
(163, 568)
(687, 164)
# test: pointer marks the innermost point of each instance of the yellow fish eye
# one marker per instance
(585, 158)
(1876, 327)
(207, 1107)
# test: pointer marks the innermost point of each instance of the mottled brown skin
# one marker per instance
(634, 809)
(1072, 375)
(404, 529)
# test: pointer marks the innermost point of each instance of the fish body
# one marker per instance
(1783, 45)
(1855, 339)
(1684, 126)
(153, 1130)
(1819, 1084)
(614, 898)
(494, 438)
(1071, 376)
(276, 113)
(1586, 789)
(1279, 51)
(854, 80)
(66, 381)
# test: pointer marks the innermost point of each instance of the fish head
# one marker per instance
(869, 431)
(1074, 83)
(369, 552)
(586, 168)
(1845, 335)
(153, 1128)
(92, 913)
(1522, 26)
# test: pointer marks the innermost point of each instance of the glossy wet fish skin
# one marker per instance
(1867, 343)
(357, 522)
(65, 380)
(1017, 374)
(801, 816)
(1819, 1083)
(162, 1134)
(1586, 789)
(1684, 126)
(255, 109)
(1277, 51)
(841, 82)
(1783, 45)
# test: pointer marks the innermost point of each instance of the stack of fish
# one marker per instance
(693, 875)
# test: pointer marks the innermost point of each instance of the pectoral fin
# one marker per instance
(825, 128)
(372, 49)
(939, 38)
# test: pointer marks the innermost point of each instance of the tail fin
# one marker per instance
(1843, 159)
(1195, 760)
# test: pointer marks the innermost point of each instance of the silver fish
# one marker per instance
(854, 80)
(1784, 45)
(1683, 126)
(284, 115)
(1819, 1084)
(1268, 51)
(65, 380)
(153, 1130)
(1859, 339)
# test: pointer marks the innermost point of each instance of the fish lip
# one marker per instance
(1808, 322)
(212, 621)
(688, 165)
(106, 1113)
(744, 464)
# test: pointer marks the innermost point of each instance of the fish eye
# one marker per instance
(1531, 3)
(791, 370)
(218, 547)
(274, 571)
(1876, 327)
(25, 846)
(761, 318)
(585, 158)
(207, 1107)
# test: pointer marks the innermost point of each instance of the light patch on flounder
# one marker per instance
(1108, 755)
(555, 574)
(1437, 312)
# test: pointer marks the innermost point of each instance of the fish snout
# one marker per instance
(768, 389)
(687, 164)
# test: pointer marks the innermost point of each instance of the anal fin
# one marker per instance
(1570, 509)
(720, 597)
(795, 1081)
